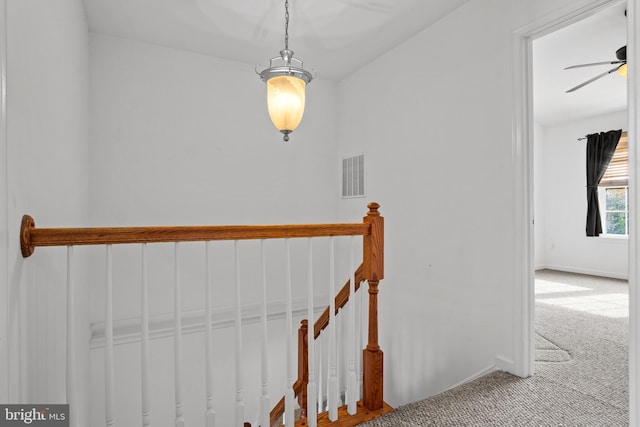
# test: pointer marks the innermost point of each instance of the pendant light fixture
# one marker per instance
(286, 83)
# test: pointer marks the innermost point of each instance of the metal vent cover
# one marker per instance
(353, 176)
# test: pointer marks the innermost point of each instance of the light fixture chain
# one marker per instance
(286, 24)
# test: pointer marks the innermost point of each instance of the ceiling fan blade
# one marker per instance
(594, 63)
(593, 79)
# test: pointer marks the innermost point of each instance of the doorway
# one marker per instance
(523, 142)
(561, 121)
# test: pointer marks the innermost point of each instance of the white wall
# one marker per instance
(179, 137)
(562, 181)
(438, 143)
(47, 177)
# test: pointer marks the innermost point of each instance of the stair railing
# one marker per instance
(300, 385)
(371, 270)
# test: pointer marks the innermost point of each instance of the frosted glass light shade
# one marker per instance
(285, 101)
(623, 70)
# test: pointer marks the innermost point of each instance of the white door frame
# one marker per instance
(4, 213)
(522, 149)
(633, 54)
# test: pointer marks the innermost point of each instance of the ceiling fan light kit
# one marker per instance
(623, 70)
(620, 68)
(286, 81)
(621, 54)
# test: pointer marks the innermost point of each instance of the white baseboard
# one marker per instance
(474, 376)
(504, 364)
(579, 270)
(501, 364)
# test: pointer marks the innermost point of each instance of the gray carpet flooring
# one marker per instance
(581, 370)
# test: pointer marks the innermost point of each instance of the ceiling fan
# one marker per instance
(621, 67)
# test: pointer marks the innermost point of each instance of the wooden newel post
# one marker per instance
(303, 365)
(373, 263)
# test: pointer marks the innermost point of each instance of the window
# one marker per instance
(614, 192)
(617, 173)
(616, 211)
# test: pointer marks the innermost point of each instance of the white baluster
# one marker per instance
(362, 332)
(320, 351)
(178, 339)
(210, 414)
(265, 407)
(332, 386)
(239, 407)
(289, 397)
(146, 406)
(71, 338)
(352, 349)
(339, 356)
(312, 391)
(110, 395)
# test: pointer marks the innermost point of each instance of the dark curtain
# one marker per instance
(600, 149)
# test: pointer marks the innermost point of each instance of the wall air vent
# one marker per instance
(353, 176)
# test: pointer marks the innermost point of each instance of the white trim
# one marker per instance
(486, 371)
(4, 208)
(126, 331)
(504, 364)
(524, 299)
(522, 157)
(633, 106)
(599, 273)
(622, 238)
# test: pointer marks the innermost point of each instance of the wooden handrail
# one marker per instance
(341, 299)
(278, 409)
(31, 237)
(276, 412)
(371, 270)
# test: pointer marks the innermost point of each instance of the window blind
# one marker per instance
(617, 173)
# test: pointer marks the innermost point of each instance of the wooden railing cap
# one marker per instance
(373, 209)
(25, 236)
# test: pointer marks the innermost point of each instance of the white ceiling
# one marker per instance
(334, 37)
(594, 39)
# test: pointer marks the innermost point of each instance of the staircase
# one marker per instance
(345, 418)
